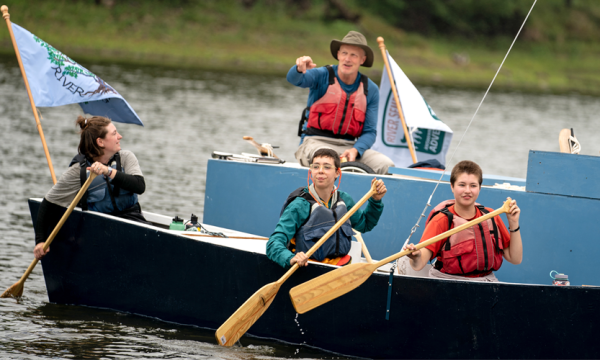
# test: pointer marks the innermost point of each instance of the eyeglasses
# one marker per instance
(316, 167)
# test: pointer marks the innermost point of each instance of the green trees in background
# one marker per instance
(551, 20)
(470, 18)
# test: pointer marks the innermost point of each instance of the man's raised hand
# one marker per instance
(304, 63)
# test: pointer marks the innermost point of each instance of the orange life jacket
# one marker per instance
(476, 250)
(336, 114)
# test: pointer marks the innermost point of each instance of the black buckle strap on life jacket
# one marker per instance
(337, 238)
(331, 74)
(450, 217)
(299, 192)
(117, 159)
(494, 231)
(83, 163)
(303, 120)
(115, 190)
(365, 80)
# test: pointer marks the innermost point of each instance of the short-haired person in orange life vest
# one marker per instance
(474, 253)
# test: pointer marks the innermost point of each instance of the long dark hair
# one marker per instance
(92, 128)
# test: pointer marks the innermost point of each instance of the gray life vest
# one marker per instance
(320, 220)
(102, 195)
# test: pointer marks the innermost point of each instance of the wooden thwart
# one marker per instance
(247, 314)
(336, 283)
(365, 251)
(16, 290)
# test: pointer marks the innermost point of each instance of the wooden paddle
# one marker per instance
(263, 150)
(16, 290)
(331, 285)
(244, 317)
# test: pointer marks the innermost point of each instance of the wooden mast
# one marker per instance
(393, 85)
(6, 17)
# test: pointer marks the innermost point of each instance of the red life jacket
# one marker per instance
(476, 250)
(336, 114)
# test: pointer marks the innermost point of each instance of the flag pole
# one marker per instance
(6, 17)
(400, 112)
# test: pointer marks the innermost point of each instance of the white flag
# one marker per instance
(430, 136)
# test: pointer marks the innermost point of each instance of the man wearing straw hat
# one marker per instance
(342, 105)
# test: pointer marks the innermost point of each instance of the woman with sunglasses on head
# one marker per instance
(311, 211)
(114, 191)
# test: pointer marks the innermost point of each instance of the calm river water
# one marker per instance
(187, 115)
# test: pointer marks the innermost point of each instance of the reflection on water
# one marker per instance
(188, 114)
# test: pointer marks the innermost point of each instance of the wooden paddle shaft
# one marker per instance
(334, 284)
(504, 209)
(397, 99)
(6, 17)
(247, 314)
(333, 229)
(63, 219)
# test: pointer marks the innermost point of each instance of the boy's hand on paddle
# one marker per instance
(38, 251)
(513, 215)
(415, 254)
(300, 258)
(381, 189)
(304, 63)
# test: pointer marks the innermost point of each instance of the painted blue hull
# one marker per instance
(559, 223)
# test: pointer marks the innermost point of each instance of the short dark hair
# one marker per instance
(466, 167)
(327, 152)
(92, 127)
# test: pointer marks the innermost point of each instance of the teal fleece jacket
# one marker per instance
(296, 213)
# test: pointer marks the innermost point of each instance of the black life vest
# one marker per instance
(84, 163)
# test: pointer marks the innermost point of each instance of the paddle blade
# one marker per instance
(241, 320)
(327, 287)
(16, 291)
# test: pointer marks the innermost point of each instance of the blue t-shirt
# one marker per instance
(318, 81)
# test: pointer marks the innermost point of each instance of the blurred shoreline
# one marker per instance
(267, 38)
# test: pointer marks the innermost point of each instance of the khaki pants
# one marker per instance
(375, 160)
(435, 273)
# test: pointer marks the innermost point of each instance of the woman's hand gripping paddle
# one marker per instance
(327, 287)
(16, 290)
(244, 317)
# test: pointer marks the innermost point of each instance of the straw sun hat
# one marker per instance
(356, 39)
